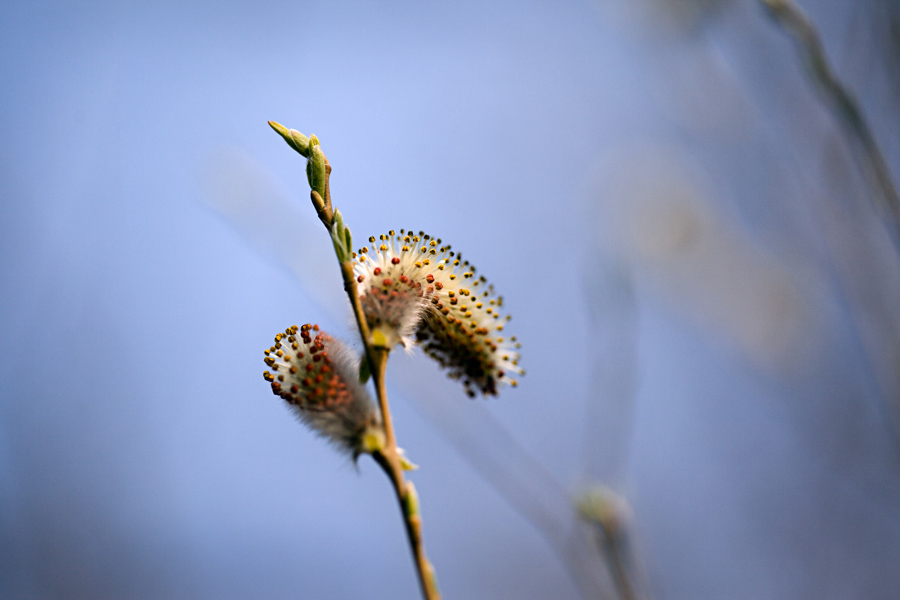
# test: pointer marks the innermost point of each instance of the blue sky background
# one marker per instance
(705, 295)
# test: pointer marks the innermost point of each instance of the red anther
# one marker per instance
(307, 382)
(404, 279)
(360, 279)
(319, 378)
(315, 327)
(429, 278)
(377, 271)
(387, 282)
(317, 358)
(309, 367)
(439, 285)
(395, 261)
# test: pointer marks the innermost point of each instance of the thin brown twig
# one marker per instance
(388, 457)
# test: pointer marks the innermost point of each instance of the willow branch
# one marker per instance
(388, 457)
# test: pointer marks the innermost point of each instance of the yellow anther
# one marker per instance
(382, 247)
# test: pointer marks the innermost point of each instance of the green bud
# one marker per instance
(378, 338)
(364, 371)
(405, 463)
(294, 138)
(348, 242)
(372, 440)
(411, 502)
(338, 238)
(315, 168)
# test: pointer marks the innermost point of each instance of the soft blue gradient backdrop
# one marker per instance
(705, 296)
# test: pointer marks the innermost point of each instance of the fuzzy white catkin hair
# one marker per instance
(409, 284)
(317, 376)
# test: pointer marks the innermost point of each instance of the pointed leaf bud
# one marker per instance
(315, 168)
(294, 138)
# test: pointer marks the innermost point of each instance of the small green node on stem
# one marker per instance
(364, 371)
(378, 339)
(373, 441)
(411, 501)
(405, 463)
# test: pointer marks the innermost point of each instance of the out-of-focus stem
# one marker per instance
(844, 107)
